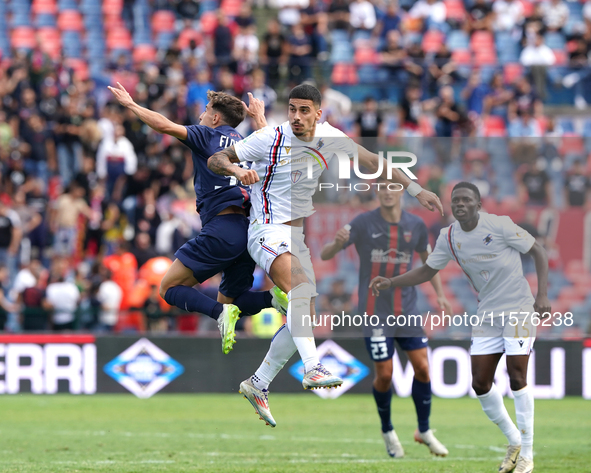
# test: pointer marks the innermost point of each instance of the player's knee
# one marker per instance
(481, 386)
(164, 287)
(518, 382)
(422, 371)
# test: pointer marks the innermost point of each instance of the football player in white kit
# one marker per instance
(280, 158)
(487, 249)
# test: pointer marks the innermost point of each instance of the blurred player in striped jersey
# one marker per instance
(282, 159)
(487, 248)
(385, 239)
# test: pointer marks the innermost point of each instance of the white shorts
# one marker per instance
(512, 334)
(267, 241)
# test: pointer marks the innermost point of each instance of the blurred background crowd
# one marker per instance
(93, 203)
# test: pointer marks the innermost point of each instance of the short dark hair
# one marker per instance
(467, 185)
(228, 106)
(306, 92)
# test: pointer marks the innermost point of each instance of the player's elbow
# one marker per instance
(211, 162)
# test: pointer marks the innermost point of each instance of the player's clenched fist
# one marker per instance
(379, 283)
(342, 236)
(246, 176)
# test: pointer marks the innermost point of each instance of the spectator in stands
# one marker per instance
(195, 50)
(533, 25)
(411, 109)
(436, 180)
(480, 16)
(246, 49)
(30, 219)
(41, 155)
(11, 234)
(362, 15)
(449, 114)
(538, 58)
(105, 217)
(156, 318)
(442, 70)
(69, 147)
(289, 11)
(300, 55)
(336, 106)
(536, 185)
(509, 15)
(30, 293)
(524, 97)
(479, 176)
(6, 306)
(61, 298)
(338, 13)
(390, 21)
(109, 296)
(115, 158)
(580, 74)
(495, 103)
(188, 10)
(523, 125)
(260, 90)
(577, 186)
(432, 13)
(221, 55)
(309, 17)
(273, 53)
(394, 58)
(369, 123)
(143, 250)
(37, 199)
(65, 218)
(475, 93)
(555, 14)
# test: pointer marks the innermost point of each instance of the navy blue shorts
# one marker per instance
(221, 247)
(382, 348)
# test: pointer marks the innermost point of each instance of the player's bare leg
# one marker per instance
(491, 400)
(421, 395)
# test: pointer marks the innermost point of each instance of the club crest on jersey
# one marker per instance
(296, 176)
(487, 239)
(485, 275)
(407, 236)
(459, 245)
(320, 144)
(283, 245)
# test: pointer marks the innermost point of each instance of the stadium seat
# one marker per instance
(119, 39)
(485, 57)
(23, 38)
(528, 8)
(144, 52)
(67, 5)
(163, 20)
(164, 40)
(231, 7)
(481, 39)
(555, 40)
(70, 20)
(462, 56)
(208, 22)
(494, 126)
(44, 7)
(113, 21)
(366, 55)
(511, 72)
(20, 19)
(455, 10)
(187, 35)
(432, 41)
(79, 66)
(457, 40)
(112, 7)
(45, 19)
(561, 57)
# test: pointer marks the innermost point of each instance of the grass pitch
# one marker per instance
(220, 433)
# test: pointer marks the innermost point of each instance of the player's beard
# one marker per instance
(304, 130)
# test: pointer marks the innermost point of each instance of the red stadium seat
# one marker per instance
(144, 52)
(571, 144)
(23, 37)
(366, 55)
(70, 20)
(79, 66)
(163, 20)
(462, 56)
(44, 6)
(494, 126)
(528, 8)
(231, 7)
(455, 10)
(112, 7)
(339, 73)
(187, 35)
(481, 39)
(485, 57)
(50, 42)
(119, 39)
(432, 41)
(208, 22)
(48, 34)
(113, 21)
(574, 268)
(512, 72)
(561, 57)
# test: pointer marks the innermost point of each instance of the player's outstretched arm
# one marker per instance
(256, 110)
(224, 163)
(426, 198)
(538, 253)
(331, 249)
(412, 278)
(153, 119)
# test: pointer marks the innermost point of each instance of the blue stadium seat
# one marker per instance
(164, 40)
(91, 7)
(555, 40)
(45, 19)
(457, 40)
(208, 5)
(142, 37)
(20, 6)
(342, 51)
(21, 19)
(567, 125)
(67, 5)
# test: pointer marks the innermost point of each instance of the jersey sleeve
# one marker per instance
(256, 146)
(441, 254)
(515, 236)
(356, 231)
(423, 240)
(198, 137)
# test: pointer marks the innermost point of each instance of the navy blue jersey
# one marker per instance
(386, 249)
(214, 192)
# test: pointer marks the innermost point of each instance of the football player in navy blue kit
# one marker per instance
(385, 239)
(223, 204)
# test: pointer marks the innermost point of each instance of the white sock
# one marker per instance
(298, 317)
(524, 411)
(494, 408)
(281, 350)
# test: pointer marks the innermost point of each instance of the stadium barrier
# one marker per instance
(87, 364)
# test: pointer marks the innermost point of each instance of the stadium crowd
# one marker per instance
(89, 194)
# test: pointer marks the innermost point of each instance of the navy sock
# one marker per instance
(421, 395)
(251, 302)
(192, 300)
(383, 400)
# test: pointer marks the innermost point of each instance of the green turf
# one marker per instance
(220, 433)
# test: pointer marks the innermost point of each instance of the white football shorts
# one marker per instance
(512, 334)
(266, 242)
